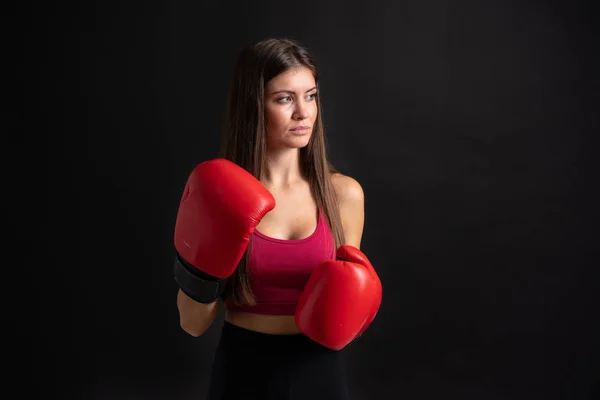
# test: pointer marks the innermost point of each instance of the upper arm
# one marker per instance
(351, 201)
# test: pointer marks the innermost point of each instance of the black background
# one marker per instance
(472, 127)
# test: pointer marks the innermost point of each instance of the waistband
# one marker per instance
(243, 333)
(248, 341)
(266, 308)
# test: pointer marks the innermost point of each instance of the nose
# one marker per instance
(301, 111)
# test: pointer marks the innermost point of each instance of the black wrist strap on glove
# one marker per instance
(201, 287)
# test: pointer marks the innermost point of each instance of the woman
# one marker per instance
(274, 131)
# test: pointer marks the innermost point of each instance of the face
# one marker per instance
(290, 108)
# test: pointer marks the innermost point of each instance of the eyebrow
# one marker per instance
(291, 91)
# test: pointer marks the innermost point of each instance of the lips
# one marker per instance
(300, 129)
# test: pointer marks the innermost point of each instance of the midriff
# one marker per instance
(272, 324)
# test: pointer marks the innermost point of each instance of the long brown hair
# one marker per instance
(244, 136)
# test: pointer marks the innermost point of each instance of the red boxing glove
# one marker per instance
(349, 253)
(221, 205)
(340, 299)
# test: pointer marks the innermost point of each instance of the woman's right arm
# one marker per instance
(195, 318)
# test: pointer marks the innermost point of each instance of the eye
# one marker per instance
(285, 99)
(312, 96)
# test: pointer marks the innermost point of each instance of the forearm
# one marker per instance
(195, 318)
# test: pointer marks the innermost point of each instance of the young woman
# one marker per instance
(265, 232)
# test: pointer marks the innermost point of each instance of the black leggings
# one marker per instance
(253, 365)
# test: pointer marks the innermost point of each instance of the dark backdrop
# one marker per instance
(471, 125)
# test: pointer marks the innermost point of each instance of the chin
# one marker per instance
(301, 141)
(299, 144)
(291, 142)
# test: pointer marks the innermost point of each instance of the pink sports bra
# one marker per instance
(279, 269)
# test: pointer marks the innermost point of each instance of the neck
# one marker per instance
(282, 168)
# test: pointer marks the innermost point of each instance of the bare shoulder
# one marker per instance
(347, 188)
(351, 201)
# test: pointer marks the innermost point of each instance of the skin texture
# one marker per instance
(290, 103)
